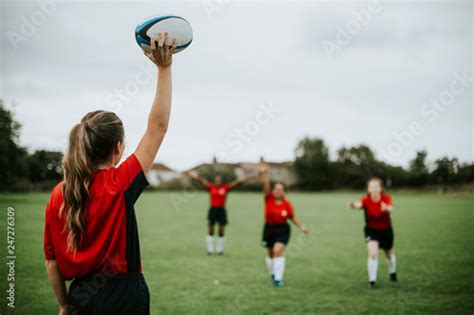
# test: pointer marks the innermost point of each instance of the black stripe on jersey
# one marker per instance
(137, 186)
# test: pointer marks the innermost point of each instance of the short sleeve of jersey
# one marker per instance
(363, 201)
(268, 197)
(48, 239)
(209, 186)
(226, 187)
(129, 178)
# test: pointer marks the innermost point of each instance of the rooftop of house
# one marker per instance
(250, 166)
(161, 167)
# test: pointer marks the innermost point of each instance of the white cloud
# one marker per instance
(242, 54)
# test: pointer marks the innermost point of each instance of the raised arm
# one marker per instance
(194, 175)
(161, 56)
(265, 178)
(241, 181)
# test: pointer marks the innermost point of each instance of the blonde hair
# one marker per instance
(91, 143)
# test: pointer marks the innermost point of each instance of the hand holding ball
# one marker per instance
(176, 27)
(161, 52)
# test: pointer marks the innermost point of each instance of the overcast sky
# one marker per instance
(258, 76)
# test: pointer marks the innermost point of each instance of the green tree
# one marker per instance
(359, 155)
(393, 176)
(312, 166)
(418, 170)
(445, 171)
(45, 166)
(466, 173)
(12, 155)
(354, 166)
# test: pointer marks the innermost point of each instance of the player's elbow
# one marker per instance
(159, 128)
(162, 127)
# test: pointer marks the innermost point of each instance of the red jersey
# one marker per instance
(110, 241)
(277, 213)
(375, 218)
(218, 195)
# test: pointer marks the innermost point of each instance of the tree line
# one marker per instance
(353, 166)
(314, 170)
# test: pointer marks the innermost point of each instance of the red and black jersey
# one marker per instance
(375, 218)
(277, 212)
(110, 241)
(218, 195)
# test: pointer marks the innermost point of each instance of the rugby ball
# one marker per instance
(176, 26)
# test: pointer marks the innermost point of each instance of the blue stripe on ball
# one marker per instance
(142, 38)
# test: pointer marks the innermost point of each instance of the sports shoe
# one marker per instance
(393, 277)
(371, 284)
(278, 283)
(220, 253)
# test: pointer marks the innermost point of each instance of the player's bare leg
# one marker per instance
(270, 252)
(372, 262)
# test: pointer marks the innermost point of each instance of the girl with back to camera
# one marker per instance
(276, 231)
(377, 205)
(91, 234)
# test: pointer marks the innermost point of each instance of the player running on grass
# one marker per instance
(276, 232)
(90, 233)
(378, 231)
(217, 212)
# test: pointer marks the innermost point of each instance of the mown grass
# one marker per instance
(326, 272)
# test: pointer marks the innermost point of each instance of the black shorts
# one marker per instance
(217, 215)
(103, 294)
(384, 237)
(275, 233)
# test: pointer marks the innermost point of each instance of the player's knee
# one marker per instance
(278, 250)
(373, 254)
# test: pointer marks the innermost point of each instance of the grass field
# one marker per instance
(326, 272)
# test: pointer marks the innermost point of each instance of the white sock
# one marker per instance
(279, 267)
(220, 244)
(210, 243)
(372, 266)
(392, 264)
(269, 262)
